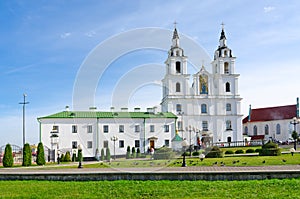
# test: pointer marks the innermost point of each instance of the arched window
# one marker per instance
(228, 107)
(278, 129)
(226, 68)
(267, 129)
(177, 87)
(246, 130)
(203, 108)
(227, 85)
(178, 107)
(178, 67)
(228, 125)
(203, 84)
(255, 130)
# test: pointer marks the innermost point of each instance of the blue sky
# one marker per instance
(44, 43)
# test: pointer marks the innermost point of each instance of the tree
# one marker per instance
(295, 136)
(138, 153)
(128, 152)
(107, 154)
(133, 152)
(40, 159)
(26, 155)
(68, 156)
(8, 160)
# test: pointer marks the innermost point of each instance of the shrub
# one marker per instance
(138, 153)
(196, 153)
(107, 154)
(8, 160)
(132, 152)
(250, 151)
(62, 157)
(128, 152)
(229, 152)
(214, 152)
(102, 155)
(40, 159)
(270, 149)
(26, 155)
(79, 155)
(163, 153)
(239, 151)
(68, 156)
(257, 150)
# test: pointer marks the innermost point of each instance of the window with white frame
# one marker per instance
(228, 125)
(203, 108)
(152, 128)
(55, 129)
(204, 126)
(121, 143)
(121, 128)
(179, 125)
(136, 143)
(90, 129)
(228, 107)
(105, 128)
(89, 144)
(178, 107)
(137, 128)
(105, 143)
(278, 130)
(74, 144)
(166, 128)
(167, 142)
(74, 128)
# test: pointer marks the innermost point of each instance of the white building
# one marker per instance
(94, 130)
(271, 122)
(212, 105)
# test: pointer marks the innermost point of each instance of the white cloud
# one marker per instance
(90, 33)
(65, 35)
(268, 9)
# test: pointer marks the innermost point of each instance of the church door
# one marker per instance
(151, 144)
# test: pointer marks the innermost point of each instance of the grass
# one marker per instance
(152, 189)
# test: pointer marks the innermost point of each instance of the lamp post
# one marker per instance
(295, 121)
(24, 103)
(114, 139)
(184, 144)
(79, 156)
(189, 129)
(58, 156)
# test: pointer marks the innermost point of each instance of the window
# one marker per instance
(152, 129)
(267, 129)
(228, 139)
(90, 129)
(178, 67)
(121, 128)
(89, 144)
(55, 129)
(228, 107)
(177, 87)
(178, 107)
(203, 108)
(105, 128)
(246, 130)
(74, 145)
(204, 125)
(255, 130)
(105, 143)
(226, 68)
(179, 125)
(137, 128)
(227, 85)
(121, 143)
(74, 128)
(166, 127)
(136, 143)
(278, 129)
(167, 142)
(228, 125)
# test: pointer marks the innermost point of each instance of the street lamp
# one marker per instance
(24, 103)
(114, 139)
(58, 156)
(295, 121)
(79, 156)
(184, 144)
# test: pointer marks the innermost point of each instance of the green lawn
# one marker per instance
(287, 188)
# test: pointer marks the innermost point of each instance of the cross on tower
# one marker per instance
(175, 23)
(222, 24)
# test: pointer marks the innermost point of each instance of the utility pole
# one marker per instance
(24, 103)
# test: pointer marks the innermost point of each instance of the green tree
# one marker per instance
(62, 158)
(102, 155)
(40, 159)
(295, 136)
(133, 152)
(138, 153)
(107, 154)
(8, 160)
(68, 156)
(128, 152)
(26, 155)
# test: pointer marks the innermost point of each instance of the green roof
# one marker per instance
(96, 114)
(177, 138)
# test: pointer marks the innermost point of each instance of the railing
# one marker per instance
(239, 143)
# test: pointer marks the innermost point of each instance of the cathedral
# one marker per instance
(210, 108)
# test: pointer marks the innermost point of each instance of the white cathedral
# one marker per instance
(206, 112)
(210, 106)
